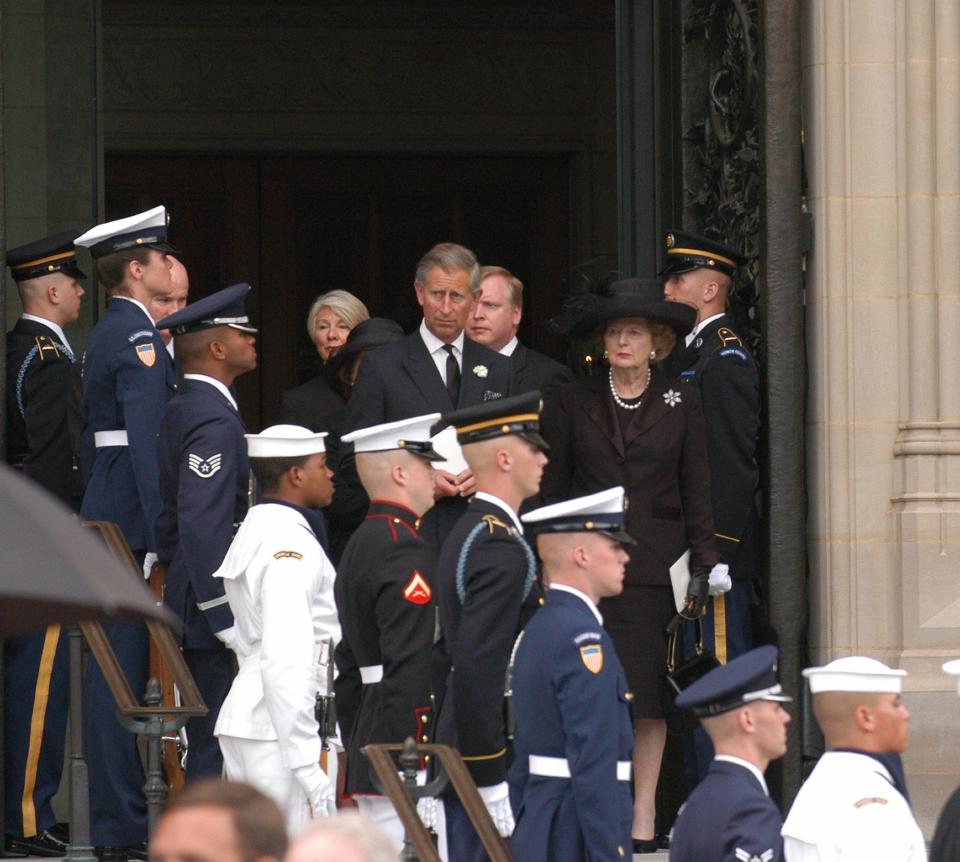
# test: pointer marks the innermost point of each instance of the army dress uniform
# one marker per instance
(729, 816)
(279, 584)
(44, 421)
(128, 377)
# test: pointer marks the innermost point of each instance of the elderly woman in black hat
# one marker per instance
(633, 426)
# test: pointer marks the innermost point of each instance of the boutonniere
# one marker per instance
(480, 370)
(672, 397)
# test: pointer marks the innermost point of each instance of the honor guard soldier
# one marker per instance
(128, 377)
(204, 480)
(44, 421)
(855, 806)
(487, 591)
(279, 583)
(699, 272)
(729, 816)
(570, 779)
(387, 610)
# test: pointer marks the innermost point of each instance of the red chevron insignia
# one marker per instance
(417, 591)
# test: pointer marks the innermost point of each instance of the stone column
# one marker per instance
(882, 117)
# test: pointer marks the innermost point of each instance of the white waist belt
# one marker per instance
(109, 438)
(371, 674)
(557, 767)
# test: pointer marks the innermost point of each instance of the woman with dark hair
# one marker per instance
(635, 427)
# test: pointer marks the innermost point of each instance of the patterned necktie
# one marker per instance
(453, 375)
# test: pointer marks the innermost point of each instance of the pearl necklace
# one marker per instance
(620, 402)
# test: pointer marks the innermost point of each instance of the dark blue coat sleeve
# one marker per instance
(754, 834)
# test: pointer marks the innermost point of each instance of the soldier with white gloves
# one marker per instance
(279, 583)
(854, 806)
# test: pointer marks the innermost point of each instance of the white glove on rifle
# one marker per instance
(497, 799)
(427, 810)
(720, 582)
(148, 563)
(319, 789)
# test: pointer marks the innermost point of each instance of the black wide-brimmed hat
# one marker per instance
(628, 297)
(370, 333)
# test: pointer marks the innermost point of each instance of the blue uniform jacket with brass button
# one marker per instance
(486, 592)
(571, 703)
(384, 593)
(128, 377)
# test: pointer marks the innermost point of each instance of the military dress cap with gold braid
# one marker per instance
(45, 257)
(519, 414)
(410, 435)
(143, 230)
(687, 251)
(223, 308)
(602, 512)
(745, 679)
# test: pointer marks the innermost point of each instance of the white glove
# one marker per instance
(497, 799)
(319, 790)
(148, 563)
(229, 637)
(720, 579)
(427, 809)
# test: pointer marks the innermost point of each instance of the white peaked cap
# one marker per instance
(856, 674)
(145, 223)
(952, 667)
(609, 502)
(284, 441)
(392, 435)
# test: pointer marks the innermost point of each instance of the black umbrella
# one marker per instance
(52, 570)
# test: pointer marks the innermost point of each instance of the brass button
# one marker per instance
(424, 718)
(628, 697)
(620, 851)
(424, 738)
(396, 520)
(540, 600)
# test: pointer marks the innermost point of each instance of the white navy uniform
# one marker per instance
(848, 810)
(279, 584)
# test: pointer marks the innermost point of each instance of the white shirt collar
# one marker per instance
(483, 495)
(51, 325)
(216, 384)
(434, 344)
(573, 591)
(509, 347)
(700, 326)
(170, 348)
(729, 758)
(140, 305)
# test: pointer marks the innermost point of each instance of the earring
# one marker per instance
(606, 355)
(653, 354)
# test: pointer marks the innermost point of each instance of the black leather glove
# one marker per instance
(698, 590)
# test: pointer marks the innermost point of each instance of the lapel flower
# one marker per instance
(480, 370)
(672, 397)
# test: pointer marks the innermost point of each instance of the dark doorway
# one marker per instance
(295, 227)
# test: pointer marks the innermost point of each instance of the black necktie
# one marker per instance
(453, 375)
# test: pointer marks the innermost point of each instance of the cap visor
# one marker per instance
(242, 327)
(164, 246)
(679, 267)
(620, 536)
(536, 439)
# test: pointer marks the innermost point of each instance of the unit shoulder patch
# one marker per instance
(737, 352)
(592, 657)
(288, 555)
(205, 468)
(417, 591)
(870, 800)
(146, 353)
(140, 333)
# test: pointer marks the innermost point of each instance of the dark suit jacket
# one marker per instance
(532, 370)
(661, 460)
(310, 404)
(400, 380)
(722, 367)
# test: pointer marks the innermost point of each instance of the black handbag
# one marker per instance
(682, 675)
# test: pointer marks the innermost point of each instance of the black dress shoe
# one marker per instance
(663, 840)
(44, 844)
(122, 854)
(644, 845)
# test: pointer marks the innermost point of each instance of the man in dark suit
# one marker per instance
(44, 420)
(434, 370)
(204, 474)
(493, 322)
(128, 377)
(730, 814)
(699, 272)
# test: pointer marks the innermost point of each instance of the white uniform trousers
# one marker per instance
(258, 763)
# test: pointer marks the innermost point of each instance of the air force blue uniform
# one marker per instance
(128, 377)
(572, 704)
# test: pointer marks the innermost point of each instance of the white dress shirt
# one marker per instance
(435, 349)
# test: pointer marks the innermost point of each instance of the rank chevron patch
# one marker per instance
(204, 467)
(417, 591)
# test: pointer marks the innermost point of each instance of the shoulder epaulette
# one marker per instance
(493, 521)
(47, 348)
(727, 337)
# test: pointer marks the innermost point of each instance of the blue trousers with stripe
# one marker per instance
(36, 671)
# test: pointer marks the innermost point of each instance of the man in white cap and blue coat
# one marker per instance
(854, 806)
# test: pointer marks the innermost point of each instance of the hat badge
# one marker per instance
(671, 241)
